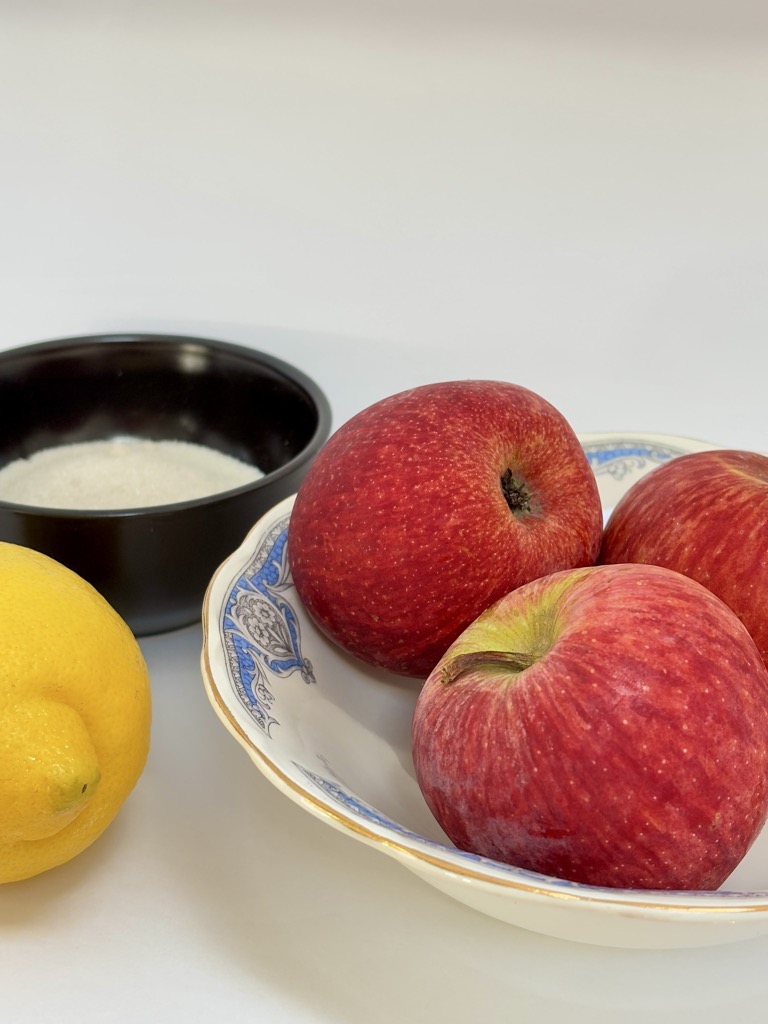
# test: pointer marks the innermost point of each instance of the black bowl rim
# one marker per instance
(288, 370)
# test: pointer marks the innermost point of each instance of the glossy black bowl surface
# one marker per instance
(153, 564)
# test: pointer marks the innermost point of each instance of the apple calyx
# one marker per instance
(510, 662)
(517, 494)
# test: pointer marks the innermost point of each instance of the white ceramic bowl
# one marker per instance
(334, 736)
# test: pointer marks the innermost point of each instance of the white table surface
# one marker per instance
(384, 194)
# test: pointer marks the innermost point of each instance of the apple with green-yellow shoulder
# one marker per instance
(607, 725)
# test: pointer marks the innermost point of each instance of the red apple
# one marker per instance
(607, 725)
(705, 515)
(426, 507)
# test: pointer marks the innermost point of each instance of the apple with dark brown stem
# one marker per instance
(706, 516)
(426, 507)
(607, 725)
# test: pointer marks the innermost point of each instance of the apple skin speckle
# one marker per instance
(608, 761)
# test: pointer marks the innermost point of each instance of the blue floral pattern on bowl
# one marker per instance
(622, 458)
(260, 628)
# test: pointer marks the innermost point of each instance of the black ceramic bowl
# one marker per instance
(153, 564)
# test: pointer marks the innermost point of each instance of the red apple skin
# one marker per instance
(400, 534)
(632, 753)
(706, 516)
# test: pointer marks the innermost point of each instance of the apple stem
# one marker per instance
(506, 661)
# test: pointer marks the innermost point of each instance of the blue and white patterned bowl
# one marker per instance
(334, 736)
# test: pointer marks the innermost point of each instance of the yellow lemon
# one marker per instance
(75, 712)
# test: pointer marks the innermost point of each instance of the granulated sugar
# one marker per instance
(121, 473)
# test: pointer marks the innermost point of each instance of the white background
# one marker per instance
(571, 196)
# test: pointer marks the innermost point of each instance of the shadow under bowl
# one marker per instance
(153, 564)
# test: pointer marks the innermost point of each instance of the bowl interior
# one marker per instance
(245, 404)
